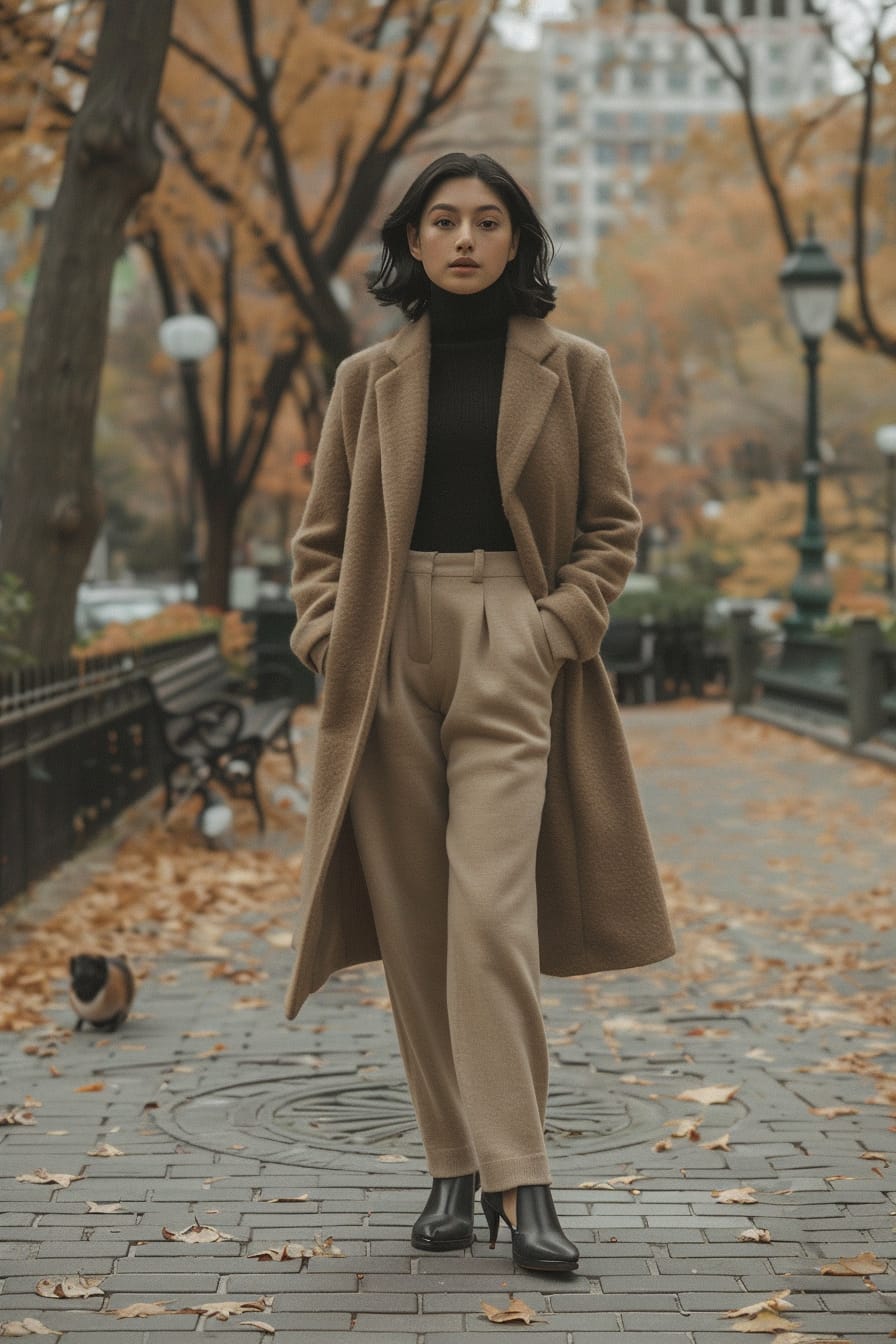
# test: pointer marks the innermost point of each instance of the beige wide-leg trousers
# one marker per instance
(446, 810)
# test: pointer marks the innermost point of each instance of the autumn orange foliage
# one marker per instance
(176, 621)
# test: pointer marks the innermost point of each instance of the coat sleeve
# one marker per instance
(576, 614)
(318, 543)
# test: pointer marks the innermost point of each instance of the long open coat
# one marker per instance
(567, 497)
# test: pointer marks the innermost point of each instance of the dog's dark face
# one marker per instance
(87, 967)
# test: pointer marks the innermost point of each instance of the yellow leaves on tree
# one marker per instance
(753, 538)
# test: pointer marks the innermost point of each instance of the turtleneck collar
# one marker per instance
(469, 317)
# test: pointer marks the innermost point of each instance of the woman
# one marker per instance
(474, 817)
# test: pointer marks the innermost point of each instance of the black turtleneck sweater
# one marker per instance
(460, 499)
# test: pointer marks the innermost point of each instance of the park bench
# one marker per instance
(212, 729)
(627, 653)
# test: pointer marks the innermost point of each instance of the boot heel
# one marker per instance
(493, 1219)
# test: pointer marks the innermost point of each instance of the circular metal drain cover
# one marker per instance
(341, 1121)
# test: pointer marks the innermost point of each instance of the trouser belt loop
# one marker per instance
(478, 565)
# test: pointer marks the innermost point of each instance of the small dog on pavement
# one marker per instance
(101, 990)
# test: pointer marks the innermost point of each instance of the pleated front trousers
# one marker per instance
(446, 810)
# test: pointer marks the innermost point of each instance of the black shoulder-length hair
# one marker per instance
(401, 279)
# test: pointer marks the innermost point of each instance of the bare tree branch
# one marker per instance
(330, 321)
(871, 334)
(212, 68)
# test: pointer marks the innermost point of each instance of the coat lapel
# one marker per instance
(402, 397)
(527, 391)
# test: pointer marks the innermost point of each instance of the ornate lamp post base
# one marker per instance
(811, 591)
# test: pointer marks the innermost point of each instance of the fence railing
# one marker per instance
(846, 684)
(78, 744)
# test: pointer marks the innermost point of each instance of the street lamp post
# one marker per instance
(886, 442)
(810, 281)
(189, 338)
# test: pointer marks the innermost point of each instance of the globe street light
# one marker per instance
(188, 338)
(810, 281)
(886, 442)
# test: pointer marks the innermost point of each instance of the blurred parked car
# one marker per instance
(98, 604)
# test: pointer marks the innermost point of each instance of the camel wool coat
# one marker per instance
(567, 497)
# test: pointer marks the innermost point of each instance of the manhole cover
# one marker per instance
(341, 1121)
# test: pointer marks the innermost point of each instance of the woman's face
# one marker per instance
(463, 221)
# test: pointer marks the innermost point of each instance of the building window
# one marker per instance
(607, 61)
(640, 79)
(565, 227)
(565, 153)
(779, 9)
(564, 192)
(605, 152)
(604, 226)
(639, 122)
(676, 123)
(561, 266)
(639, 153)
(673, 151)
(604, 193)
(777, 86)
(713, 84)
(564, 83)
(748, 9)
(565, 121)
(606, 122)
(714, 7)
(677, 79)
(679, 7)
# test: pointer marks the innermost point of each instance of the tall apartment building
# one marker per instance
(618, 94)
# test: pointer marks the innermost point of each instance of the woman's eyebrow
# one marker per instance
(443, 205)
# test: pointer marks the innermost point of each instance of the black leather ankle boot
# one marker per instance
(446, 1223)
(538, 1240)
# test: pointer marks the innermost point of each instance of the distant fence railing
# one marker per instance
(78, 744)
(845, 686)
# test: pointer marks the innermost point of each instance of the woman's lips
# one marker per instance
(464, 266)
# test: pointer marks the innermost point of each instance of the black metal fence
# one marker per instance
(78, 744)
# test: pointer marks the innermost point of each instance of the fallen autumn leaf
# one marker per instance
(716, 1094)
(28, 1325)
(71, 1285)
(518, 1310)
(138, 1310)
(197, 1233)
(866, 1263)
(742, 1194)
(43, 1177)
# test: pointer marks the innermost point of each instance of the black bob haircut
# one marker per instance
(401, 279)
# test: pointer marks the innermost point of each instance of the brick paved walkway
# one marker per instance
(779, 859)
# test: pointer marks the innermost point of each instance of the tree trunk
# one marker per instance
(221, 513)
(51, 507)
